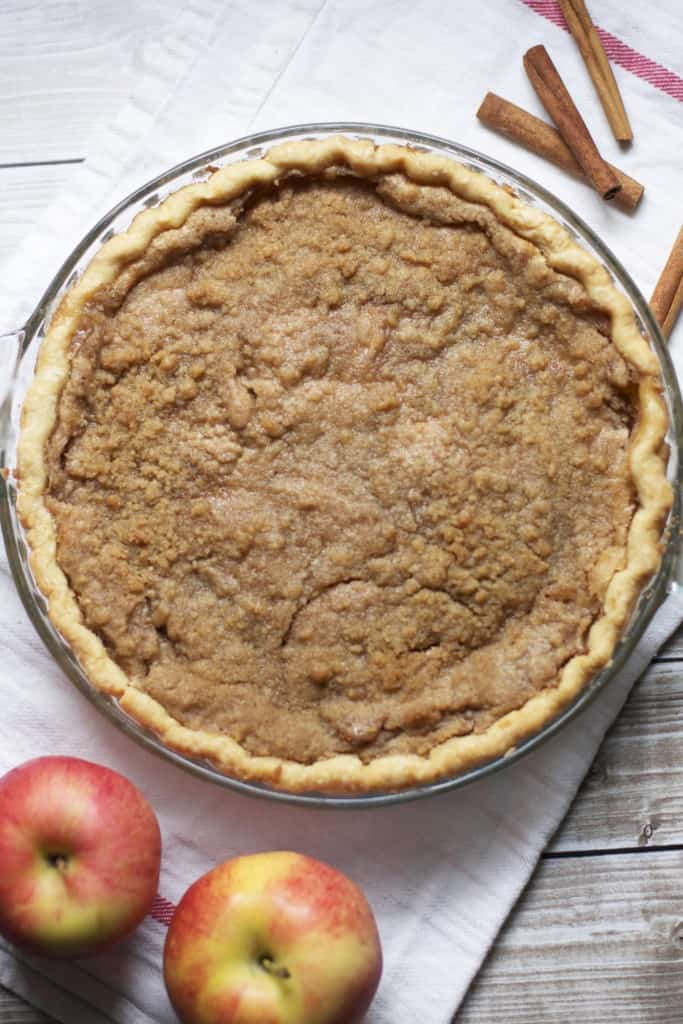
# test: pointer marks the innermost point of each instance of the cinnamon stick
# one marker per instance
(599, 68)
(674, 311)
(667, 298)
(554, 96)
(542, 139)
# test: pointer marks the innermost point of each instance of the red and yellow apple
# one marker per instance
(80, 850)
(272, 938)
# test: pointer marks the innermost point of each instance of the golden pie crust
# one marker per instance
(444, 553)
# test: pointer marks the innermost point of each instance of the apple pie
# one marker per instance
(344, 468)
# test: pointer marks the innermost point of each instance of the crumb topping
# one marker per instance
(342, 468)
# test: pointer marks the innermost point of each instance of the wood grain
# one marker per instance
(633, 795)
(66, 70)
(24, 193)
(593, 939)
(16, 1011)
(672, 649)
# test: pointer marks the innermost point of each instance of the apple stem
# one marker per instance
(271, 967)
(57, 860)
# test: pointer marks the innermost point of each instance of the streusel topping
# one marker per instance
(343, 467)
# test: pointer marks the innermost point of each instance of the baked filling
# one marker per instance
(342, 466)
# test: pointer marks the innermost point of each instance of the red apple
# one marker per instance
(272, 938)
(80, 850)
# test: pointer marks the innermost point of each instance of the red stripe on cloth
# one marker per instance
(549, 9)
(618, 52)
(162, 910)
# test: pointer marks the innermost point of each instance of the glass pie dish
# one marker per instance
(20, 349)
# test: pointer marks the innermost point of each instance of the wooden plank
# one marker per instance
(66, 70)
(24, 193)
(593, 939)
(673, 649)
(15, 1011)
(633, 795)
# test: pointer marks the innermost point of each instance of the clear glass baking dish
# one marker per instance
(17, 358)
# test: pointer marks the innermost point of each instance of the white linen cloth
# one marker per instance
(442, 874)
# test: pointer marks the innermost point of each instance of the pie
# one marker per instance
(344, 468)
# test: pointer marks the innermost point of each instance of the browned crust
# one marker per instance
(347, 772)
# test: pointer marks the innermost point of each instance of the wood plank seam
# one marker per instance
(43, 163)
(617, 851)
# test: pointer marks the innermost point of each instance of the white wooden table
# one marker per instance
(599, 933)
